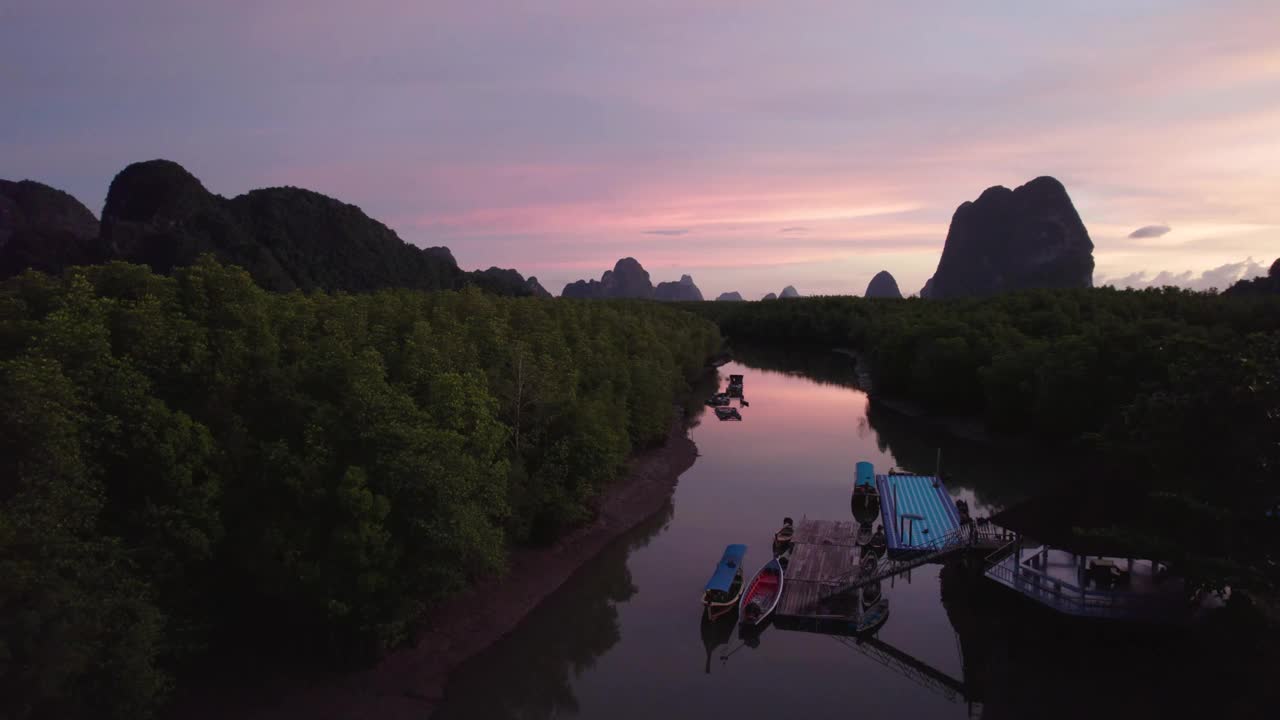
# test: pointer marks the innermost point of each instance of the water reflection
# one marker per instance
(624, 638)
(559, 640)
(994, 477)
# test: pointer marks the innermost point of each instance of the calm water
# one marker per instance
(623, 638)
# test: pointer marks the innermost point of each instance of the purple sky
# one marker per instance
(750, 144)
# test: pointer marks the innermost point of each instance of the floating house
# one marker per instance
(1057, 562)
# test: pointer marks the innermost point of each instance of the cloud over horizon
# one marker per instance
(1219, 278)
(1150, 231)
(555, 136)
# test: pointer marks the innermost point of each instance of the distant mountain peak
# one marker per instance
(1028, 237)
(883, 286)
(629, 279)
(733, 296)
(684, 290)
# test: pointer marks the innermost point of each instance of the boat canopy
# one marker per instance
(866, 474)
(728, 568)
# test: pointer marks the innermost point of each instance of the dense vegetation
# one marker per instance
(191, 457)
(1174, 395)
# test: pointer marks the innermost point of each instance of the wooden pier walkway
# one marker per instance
(824, 571)
(822, 550)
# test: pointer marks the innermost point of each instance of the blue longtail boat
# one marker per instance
(866, 497)
(723, 590)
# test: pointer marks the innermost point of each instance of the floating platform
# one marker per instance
(916, 511)
(823, 554)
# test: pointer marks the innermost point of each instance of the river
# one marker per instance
(623, 638)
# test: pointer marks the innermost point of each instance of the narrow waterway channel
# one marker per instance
(623, 638)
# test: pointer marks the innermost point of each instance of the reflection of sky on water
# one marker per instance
(623, 638)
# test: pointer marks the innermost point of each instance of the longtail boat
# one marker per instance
(863, 534)
(878, 543)
(873, 618)
(762, 595)
(866, 497)
(724, 589)
(728, 413)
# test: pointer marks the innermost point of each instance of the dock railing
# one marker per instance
(967, 536)
(1070, 598)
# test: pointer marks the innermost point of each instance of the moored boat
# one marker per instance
(873, 617)
(728, 413)
(735, 385)
(724, 589)
(718, 399)
(783, 537)
(863, 534)
(878, 543)
(762, 594)
(866, 497)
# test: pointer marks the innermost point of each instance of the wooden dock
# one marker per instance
(823, 553)
(824, 581)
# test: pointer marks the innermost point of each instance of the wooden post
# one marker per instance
(895, 510)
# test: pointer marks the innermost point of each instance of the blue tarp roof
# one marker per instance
(866, 473)
(722, 578)
(926, 499)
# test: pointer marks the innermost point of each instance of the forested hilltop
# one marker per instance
(1171, 396)
(192, 457)
(287, 238)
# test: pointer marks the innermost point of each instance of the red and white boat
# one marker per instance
(762, 595)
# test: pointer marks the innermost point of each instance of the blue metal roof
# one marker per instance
(728, 568)
(925, 499)
(866, 473)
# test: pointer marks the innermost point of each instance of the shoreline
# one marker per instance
(964, 427)
(410, 682)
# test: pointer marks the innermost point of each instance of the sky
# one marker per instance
(749, 144)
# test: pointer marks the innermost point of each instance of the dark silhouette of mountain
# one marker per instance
(535, 288)
(627, 279)
(682, 290)
(287, 238)
(883, 286)
(789, 292)
(734, 296)
(1029, 237)
(504, 281)
(159, 214)
(770, 296)
(1265, 285)
(44, 229)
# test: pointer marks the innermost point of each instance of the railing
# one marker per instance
(1071, 598)
(965, 536)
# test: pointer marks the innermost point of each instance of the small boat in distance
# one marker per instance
(762, 594)
(735, 386)
(728, 413)
(724, 589)
(718, 399)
